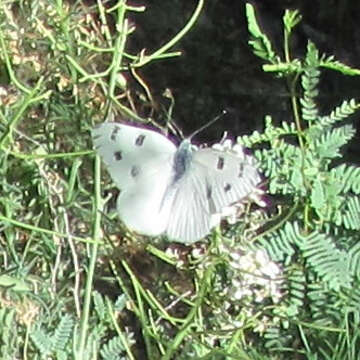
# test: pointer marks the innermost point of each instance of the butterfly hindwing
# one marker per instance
(191, 217)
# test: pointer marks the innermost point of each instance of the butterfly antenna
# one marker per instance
(224, 112)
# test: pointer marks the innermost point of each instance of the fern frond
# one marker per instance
(276, 339)
(279, 244)
(296, 287)
(99, 305)
(328, 262)
(271, 133)
(349, 214)
(62, 333)
(260, 42)
(348, 177)
(112, 349)
(347, 108)
(120, 303)
(326, 198)
(319, 299)
(61, 355)
(332, 64)
(319, 251)
(354, 261)
(329, 144)
(352, 297)
(290, 19)
(309, 82)
(282, 166)
(42, 341)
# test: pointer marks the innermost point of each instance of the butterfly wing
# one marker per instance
(140, 163)
(231, 176)
(191, 213)
(214, 180)
(128, 149)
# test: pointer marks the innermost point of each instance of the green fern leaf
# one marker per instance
(112, 349)
(309, 82)
(318, 199)
(348, 177)
(260, 43)
(290, 19)
(329, 63)
(319, 298)
(354, 260)
(61, 355)
(120, 303)
(321, 254)
(349, 214)
(352, 297)
(326, 198)
(270, 134)
(42, 341)
(99, 305)
(276, 339)
(279, 244)
(329, 144)
(63, 332)
(296, 287)
(340, 113)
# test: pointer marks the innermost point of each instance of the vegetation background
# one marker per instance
(221, 71)
(75, 284)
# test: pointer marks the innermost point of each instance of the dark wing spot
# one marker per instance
(220, 163)
(140, 140)
(117, 155)
(241, 169)
(227, 187)
(114, 133)
(212, 207)
(135, 171)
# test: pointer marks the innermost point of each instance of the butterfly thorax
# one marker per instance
(182, 160)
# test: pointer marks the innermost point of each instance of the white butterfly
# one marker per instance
(179, 192)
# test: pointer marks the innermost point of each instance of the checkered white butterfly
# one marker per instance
(176, 191)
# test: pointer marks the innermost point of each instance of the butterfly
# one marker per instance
(167, 190)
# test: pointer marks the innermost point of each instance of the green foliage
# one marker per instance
(8, 347)
(56, 343)
(113, 349)
(318, 243)
(261, 44)
(289, 277)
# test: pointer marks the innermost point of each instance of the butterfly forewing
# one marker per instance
(140, 163)
(131, 153)
(231, 177)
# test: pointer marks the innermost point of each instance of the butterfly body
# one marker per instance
(179, 192)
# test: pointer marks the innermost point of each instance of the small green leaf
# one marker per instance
(291, 19)
(260, 42)
(317, 195)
